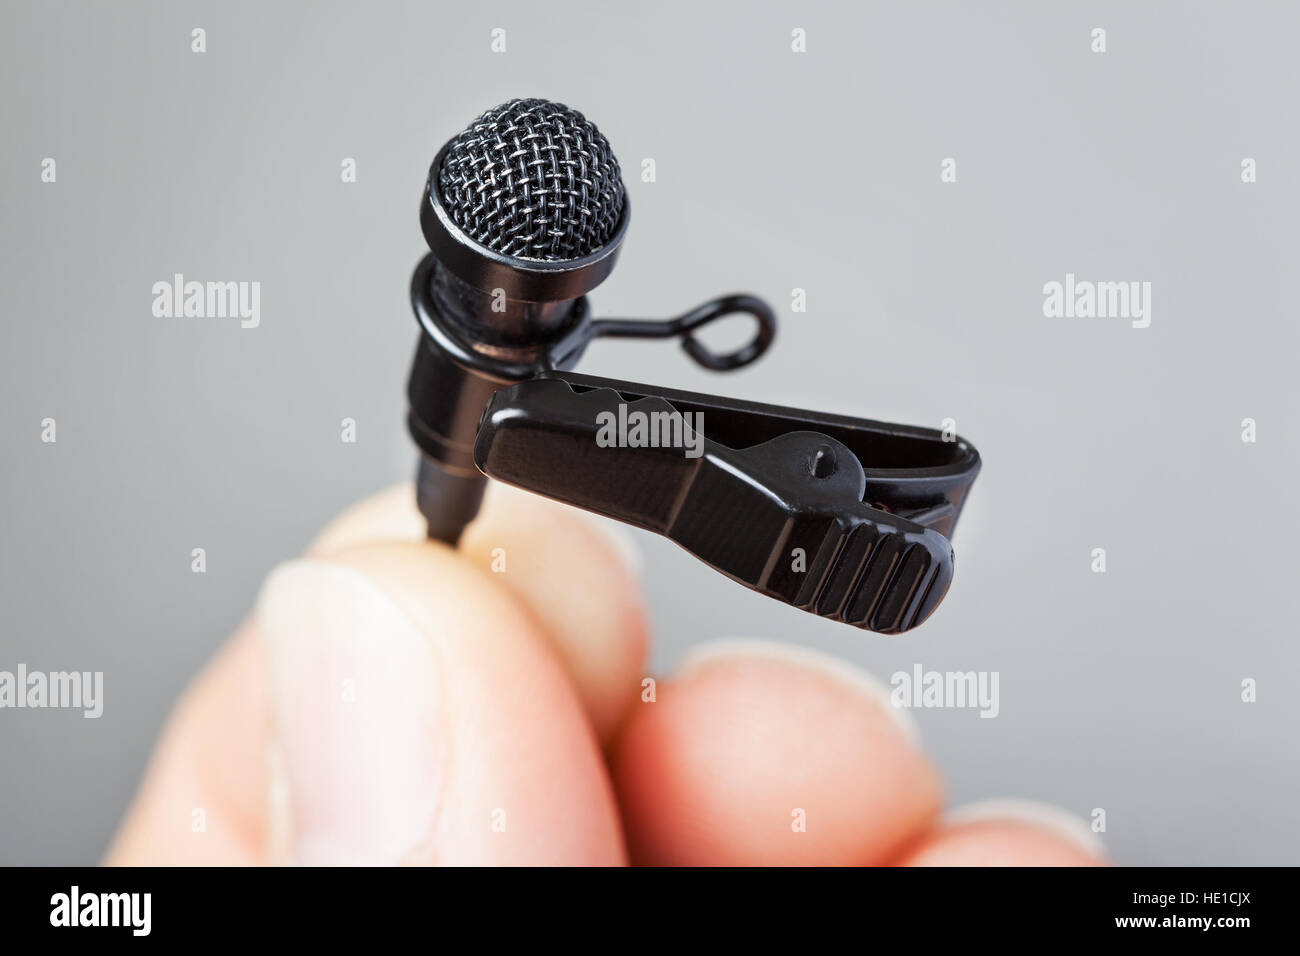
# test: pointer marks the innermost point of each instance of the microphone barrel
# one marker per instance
(446, 398)
(490, 319)
(446, 402)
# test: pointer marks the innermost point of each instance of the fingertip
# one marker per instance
(1008, 833)
(576, 573)
(854, 678)
(758, 756)
(388, 515)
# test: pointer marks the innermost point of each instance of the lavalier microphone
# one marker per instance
(524, 213)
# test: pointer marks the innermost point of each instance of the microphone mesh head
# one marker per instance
(534, 180)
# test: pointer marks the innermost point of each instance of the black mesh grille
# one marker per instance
(535, 180)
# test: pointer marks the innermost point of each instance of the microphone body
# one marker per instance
(524, 213)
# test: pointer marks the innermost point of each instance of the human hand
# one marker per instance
(392, 700)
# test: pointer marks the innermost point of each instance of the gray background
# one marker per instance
(775, 171)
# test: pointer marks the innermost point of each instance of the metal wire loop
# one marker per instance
(684, 325)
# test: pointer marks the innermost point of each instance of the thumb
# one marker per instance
(397, 704)
(420, 717)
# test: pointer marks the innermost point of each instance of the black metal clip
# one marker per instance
(846, 518)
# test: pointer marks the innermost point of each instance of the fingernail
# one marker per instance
(1045, 815)
(844, 673)
(360, 741)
